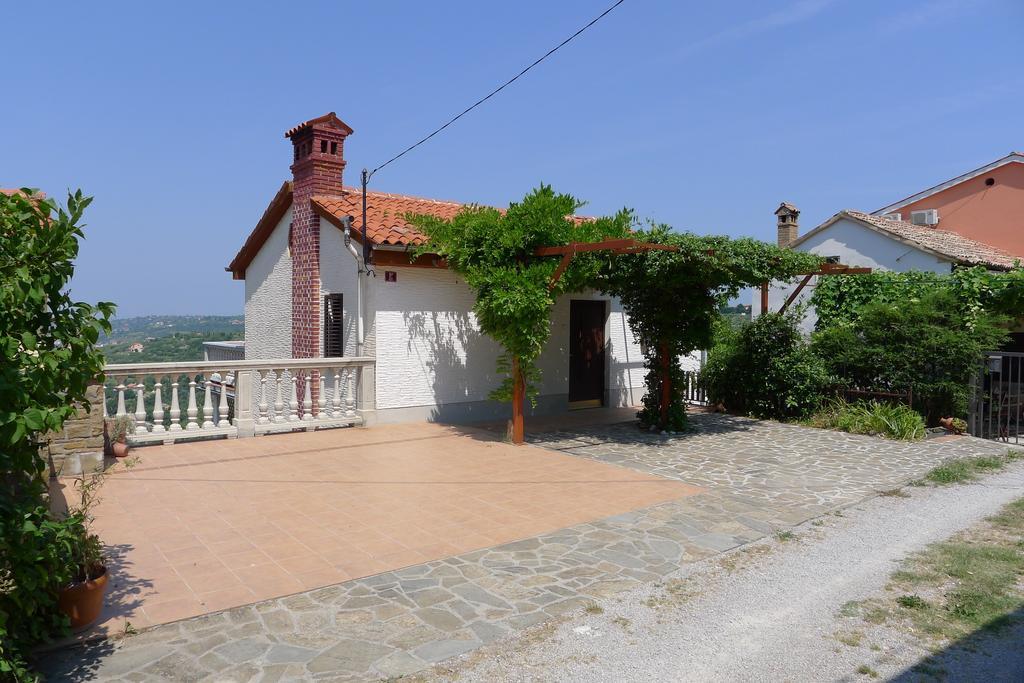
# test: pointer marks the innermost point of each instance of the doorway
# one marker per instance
(586, 353)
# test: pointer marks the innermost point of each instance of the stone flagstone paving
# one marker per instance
(760, 476)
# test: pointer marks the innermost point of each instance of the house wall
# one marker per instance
(339, 275)
(992, 215)
(268, 297)
(855, 245)
(433, 362)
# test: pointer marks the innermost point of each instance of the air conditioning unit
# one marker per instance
(926, 217)
(893, 216)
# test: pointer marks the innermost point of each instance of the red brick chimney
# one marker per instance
(788, 224)
(318, 162)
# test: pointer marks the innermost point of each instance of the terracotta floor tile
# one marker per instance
(258, 518)
(172, 610)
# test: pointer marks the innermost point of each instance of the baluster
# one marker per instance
(293, 401)
(307, 397)
(222, 409)
(336, 396)
(120, 400)
(140, 409)
(321, 401)
(207, 405)
(175, 406)
(192, 412)
(350, 394)
(264, 418)
(278, 402)
(158, 405)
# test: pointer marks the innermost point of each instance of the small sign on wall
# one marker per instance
(390, 276)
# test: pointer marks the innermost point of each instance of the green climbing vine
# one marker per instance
(493, 251)
(672, 299)
(838, 299)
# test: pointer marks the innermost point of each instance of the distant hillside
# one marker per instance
(167, 338)
(152, 326)
(184, 346)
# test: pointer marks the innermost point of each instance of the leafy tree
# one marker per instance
(673, 299)
(493, 251)
(49, 358)
(766, 369)
(925, 343)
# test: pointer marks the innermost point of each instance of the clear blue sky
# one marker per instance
(702, 115)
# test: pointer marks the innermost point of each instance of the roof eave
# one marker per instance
(1011, 158)
(264, 227)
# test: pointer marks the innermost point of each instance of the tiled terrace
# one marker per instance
(756, 477)
(200, 527)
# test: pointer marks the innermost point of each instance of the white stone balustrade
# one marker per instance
(242, 398)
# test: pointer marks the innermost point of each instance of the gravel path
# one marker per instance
(767, 612)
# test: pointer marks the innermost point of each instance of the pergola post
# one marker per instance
(518, 399)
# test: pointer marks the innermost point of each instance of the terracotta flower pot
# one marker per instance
(119, 449)
(83, 601)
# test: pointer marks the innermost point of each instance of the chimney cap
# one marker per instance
(330, 118)
(786, 208)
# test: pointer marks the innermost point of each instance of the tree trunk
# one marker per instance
(518, 398)
(666, 385)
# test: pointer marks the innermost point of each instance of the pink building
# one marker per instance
(985, 205)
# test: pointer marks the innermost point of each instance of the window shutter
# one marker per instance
(334, 332)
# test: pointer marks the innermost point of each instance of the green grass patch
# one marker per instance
(865, 670)
(962, 470)
(971, 582)
(785, 535)
(871, 417)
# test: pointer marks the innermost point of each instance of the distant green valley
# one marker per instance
(167, 338)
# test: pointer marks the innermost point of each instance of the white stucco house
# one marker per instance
(855, 238)
(310, 293)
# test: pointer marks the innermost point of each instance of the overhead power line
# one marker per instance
(496, 90)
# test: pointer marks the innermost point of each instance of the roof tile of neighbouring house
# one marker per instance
(385, 214)
(943, 242)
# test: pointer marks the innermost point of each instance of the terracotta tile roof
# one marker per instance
(385, 213)
(13, 191)
(942, 242)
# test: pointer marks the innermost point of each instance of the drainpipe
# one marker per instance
(360, 298)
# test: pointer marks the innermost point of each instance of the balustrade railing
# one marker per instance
(168, 402)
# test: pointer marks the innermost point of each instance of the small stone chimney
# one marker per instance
(789, 228)
(317, 165)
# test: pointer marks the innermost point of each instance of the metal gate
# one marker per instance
(996, 397)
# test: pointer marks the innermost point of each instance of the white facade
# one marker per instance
(851, 244)
(268, 297)
(433, 363)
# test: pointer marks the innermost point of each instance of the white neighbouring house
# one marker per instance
(308, 294)
(855, 238)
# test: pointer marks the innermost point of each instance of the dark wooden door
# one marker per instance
(586, 352)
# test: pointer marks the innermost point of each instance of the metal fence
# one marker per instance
(996, 398)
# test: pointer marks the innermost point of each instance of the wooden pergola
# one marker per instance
(824, 269)
(567, 252)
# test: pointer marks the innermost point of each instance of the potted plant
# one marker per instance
(117, 430)
(82, 599)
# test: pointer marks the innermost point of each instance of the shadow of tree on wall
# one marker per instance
(994, 652)
(460, 362)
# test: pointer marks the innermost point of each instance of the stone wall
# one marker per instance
(79, 446)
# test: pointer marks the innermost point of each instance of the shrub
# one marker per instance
(925, 344)
(871, 417)
(48, 358)
(765, 369)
